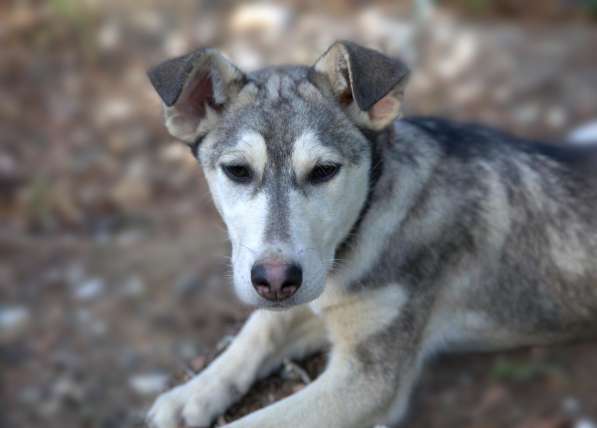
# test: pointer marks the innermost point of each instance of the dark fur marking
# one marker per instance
(375, 172)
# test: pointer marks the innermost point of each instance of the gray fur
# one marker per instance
(278, 97)
(368, 87)
(480, 239)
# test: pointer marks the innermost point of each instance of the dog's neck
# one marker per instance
(377, 140)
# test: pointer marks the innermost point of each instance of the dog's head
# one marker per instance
(285, 155)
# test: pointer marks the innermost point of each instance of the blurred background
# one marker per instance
(113, 268)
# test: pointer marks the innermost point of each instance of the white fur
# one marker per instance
(245, 214)
(264, 342)
(308, 151)
(321, 218)
(349, 322)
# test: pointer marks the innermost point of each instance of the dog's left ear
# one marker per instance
(195, 88)
(367, 84)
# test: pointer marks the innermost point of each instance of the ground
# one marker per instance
(114, 273)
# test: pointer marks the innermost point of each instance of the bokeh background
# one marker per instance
(113, 263)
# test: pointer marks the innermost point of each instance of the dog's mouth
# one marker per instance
(280, 305)
(304, 295)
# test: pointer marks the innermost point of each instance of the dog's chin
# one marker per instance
(303, 296)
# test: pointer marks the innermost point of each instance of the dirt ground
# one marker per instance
(113, 263)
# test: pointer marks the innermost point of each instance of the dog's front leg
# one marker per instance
(265, 340)
(343, 397)
(373, 365)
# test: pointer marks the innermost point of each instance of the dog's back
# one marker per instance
(517, 220)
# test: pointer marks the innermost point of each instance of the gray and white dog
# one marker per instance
(389, 239)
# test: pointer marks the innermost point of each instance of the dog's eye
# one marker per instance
(238, 173)
(323, 172)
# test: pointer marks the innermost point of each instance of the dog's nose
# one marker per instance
(276, 281)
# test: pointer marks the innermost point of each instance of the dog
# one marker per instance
(387, 238)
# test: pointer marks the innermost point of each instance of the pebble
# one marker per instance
(199, 363)
(13, 319)
(571, 406)
(187, 351)
(292, 371)
(133, 287)
(584, 134)
(90, 323)
(224, 343)
(75, 273)
(585, 423)
(90, 289)
(149, 383)
(31, 395)
(187, 285)
(66, 389)
(109, 36)
(269, 18)
(115, 109)
(131, 192)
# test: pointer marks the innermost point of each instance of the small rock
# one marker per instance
(571, 406)
(584, 134)
(526, 113)
(133, 190)
(111, 110)
(133, 287)
(187, 350)
(175, 153)
(149, 383)
(75, 273)
(109, 36)
(67, 390)
(187, 285)
(90, 289)
(224, 343)
(13, 320)
(556, 117)
(198, 363)
(585, 423)
(131, 193)
(265, 18)
(292, 371)
(9, 171)
(31, 395)
(90, 323)
(175, 43)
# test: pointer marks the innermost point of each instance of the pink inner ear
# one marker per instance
(200, 93)
(383, 108)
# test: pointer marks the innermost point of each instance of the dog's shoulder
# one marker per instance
(470, 140)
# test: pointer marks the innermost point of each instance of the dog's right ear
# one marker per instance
(195, 88)
(368, 85)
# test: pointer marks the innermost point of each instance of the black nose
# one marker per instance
(276, 281)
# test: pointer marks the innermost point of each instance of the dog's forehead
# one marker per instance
(285, 106)
(294, 73)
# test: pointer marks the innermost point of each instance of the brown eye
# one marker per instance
(238, 173)
(323, 172)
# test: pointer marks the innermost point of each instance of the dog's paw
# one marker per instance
(194, 404)
(166, 410)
